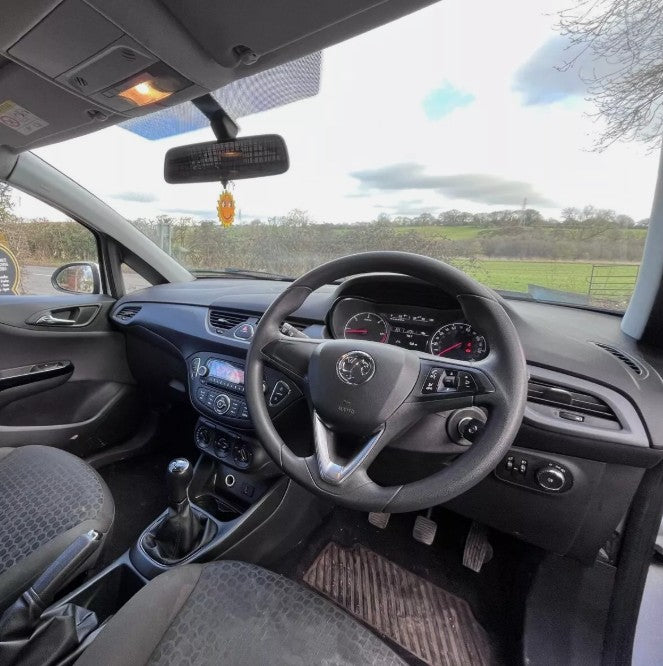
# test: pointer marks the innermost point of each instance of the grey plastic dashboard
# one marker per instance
(556, 339)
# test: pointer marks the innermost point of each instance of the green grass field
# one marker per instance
(451, 233)
(511, 275)
(465, 233)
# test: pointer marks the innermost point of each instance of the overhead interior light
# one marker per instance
(144, 93)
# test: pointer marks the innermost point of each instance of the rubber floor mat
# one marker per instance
(433, 625)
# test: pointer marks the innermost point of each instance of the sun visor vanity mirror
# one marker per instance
(233, 159)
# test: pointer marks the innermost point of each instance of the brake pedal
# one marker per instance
(379, 520)
(424, 529)
(477, 549)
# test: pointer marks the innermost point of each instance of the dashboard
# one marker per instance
(444, 333)
(592, 423)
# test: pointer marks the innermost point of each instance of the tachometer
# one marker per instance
(366, 326)
(459, 341)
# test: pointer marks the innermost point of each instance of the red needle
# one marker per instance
(357, 331)
(448, 349)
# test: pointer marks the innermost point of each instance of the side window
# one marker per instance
(133, 281)
(35, 241)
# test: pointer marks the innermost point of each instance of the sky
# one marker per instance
(459, 105)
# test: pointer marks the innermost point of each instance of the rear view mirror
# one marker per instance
(244, 157)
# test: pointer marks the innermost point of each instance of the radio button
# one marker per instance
(221, 404)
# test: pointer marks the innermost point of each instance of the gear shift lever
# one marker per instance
(178, 478)
(183, 529)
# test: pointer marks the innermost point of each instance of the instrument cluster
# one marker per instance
(443, 333)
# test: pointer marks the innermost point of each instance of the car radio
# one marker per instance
(217, 388)
(218, 372)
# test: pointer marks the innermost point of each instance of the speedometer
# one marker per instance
(459, 341)
(366, 326)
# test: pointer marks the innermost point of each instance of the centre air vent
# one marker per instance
(565, 398)
(127, 312)
(222, 320)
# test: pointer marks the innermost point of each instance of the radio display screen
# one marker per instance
(222, 370)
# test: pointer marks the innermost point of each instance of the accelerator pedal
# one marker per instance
(379, 520)
(477, 549)
(425, 529)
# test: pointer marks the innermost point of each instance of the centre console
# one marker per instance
(217, 389)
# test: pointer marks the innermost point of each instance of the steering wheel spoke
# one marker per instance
(331, 466)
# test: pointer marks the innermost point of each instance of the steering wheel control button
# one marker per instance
(244, 332)
(222, 404)
(448, 380)
(280, 392)
(551, 478)
(466, 382)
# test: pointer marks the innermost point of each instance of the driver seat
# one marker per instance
(232, 613)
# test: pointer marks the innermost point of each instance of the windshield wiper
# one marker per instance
(240, 273)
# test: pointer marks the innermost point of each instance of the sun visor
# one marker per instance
(281, 85)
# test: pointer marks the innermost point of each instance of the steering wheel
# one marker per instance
(375, 392)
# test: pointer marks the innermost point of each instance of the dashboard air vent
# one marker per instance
(127, 312)
(564, 398)
(300, 326)
(629, 362)
(221, 320)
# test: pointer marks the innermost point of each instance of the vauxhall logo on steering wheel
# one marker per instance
(355, 367)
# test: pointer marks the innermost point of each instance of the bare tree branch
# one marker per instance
(628, 34)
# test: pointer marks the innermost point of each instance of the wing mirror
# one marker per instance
(79, 277)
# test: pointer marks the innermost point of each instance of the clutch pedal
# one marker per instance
(477, 549)
(424, 529)
(379, 520)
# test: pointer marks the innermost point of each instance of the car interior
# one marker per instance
(382, 461)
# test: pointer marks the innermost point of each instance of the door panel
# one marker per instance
(72, 387)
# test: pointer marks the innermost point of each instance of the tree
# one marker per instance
(628, 36)
(625, 221)
(6, 203)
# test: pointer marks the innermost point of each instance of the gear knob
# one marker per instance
(178, 478)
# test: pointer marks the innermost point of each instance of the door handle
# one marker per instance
(50, 320)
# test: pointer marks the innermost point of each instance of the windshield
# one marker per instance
(437, 134)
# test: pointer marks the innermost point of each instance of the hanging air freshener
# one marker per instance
(226, 207)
